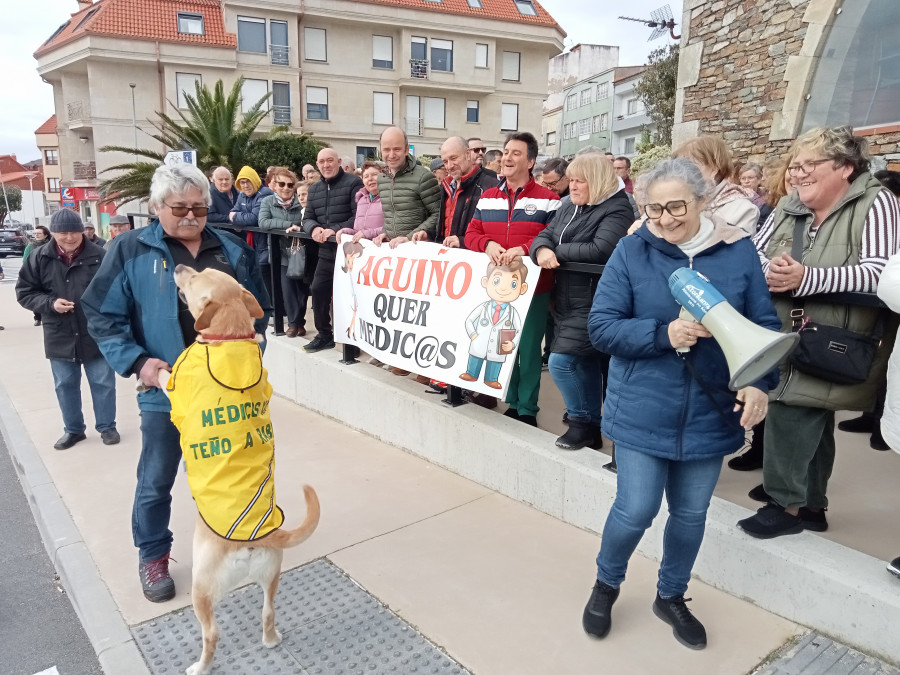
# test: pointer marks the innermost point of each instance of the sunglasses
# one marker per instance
(182, 211)
(478, 150)
(675, 208)
(283, 184)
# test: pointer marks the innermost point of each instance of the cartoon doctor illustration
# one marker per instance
(494, 327)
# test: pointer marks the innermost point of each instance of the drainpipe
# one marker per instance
(161, 81)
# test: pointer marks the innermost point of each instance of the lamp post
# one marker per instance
(133, 117)
(31, 177)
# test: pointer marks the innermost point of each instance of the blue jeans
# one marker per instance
(642, 478)
(580, 381)
(67, 382)
(491, 372)
(157, 468)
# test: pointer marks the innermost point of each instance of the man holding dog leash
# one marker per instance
(141, 326)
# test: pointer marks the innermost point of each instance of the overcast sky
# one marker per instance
(27, 101)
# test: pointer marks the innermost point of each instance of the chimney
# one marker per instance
(84, 4)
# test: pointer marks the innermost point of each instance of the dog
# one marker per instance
(220, 404)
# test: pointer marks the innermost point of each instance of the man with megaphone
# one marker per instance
(672, 416)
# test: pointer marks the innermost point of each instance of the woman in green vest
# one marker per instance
(845, 224)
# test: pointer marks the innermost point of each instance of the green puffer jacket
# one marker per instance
(837, 243)
(411, 200)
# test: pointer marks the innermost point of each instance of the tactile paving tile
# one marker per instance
(817, 655)
(329, 625)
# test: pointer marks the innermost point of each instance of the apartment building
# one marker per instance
(341, 70)
(586, 114)
(48, 143)
(630, 118)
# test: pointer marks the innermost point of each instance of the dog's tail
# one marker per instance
(282, 538)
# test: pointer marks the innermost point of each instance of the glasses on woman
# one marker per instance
(675, 208)
(182, 211)
(282, 184)
(806, 167)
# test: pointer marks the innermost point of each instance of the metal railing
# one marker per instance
(281, 114)
(281, 55)
(418, 69)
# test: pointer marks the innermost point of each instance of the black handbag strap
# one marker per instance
(706, 390)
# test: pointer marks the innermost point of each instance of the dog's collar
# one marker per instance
(226, 338)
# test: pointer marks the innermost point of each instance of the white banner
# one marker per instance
(435, 311)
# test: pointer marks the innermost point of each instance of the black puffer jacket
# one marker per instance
(584, 234)
(332, 205)
(467, 197)
(43, 279)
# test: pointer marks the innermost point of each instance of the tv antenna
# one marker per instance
(660, 21)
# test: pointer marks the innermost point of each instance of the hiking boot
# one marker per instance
(685, 626)
(894, 567)
(752, 459)
(597, 617)
(320, 342)
(155, 580)
(771, 521)
(580, 434)
(67, 440)
(814, 521)
(110, 437)
(759, 494)
(876, 440)
(864, 424)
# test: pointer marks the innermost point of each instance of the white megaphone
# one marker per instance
(750, 350)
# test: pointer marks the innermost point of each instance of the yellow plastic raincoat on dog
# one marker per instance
(220, 404)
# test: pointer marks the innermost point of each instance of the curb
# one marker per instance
(106, 629)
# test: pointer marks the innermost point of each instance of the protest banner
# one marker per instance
(434, 311)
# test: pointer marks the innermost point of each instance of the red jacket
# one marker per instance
(513, 220)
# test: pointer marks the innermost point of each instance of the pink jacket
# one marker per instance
(369, 216)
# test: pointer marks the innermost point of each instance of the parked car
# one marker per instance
(12, 241)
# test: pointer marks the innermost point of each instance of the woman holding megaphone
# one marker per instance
(672, 419)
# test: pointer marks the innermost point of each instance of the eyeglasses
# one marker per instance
(280, 183)
(551, 185)
(675, 208)
(182, 211)
(806, 167)
(479, 150)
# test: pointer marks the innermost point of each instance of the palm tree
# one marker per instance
(212, 125)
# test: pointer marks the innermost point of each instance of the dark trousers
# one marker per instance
(266, 270)
(296, 296)
(322, 289)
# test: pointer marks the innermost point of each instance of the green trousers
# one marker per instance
(525, 381)
(799, 455)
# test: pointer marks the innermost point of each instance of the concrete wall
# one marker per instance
(577, 64)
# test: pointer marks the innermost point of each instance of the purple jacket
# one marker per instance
(369, 216)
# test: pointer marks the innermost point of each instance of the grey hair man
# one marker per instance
(223, 195)
(130, 305)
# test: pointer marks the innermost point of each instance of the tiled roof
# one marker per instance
(626, 72)
(501, 10)
(144, 20)
(48, 127)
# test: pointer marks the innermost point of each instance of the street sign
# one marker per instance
(67, 198)
(180, 157)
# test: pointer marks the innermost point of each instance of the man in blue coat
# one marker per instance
(141, 326)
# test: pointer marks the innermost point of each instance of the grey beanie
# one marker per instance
(66, 220)
(436, 164)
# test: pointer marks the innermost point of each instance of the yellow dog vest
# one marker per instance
(220, 404)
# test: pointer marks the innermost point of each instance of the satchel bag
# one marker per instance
(296, 262)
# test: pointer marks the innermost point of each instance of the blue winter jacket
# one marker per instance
(653, 403)
(246, 214)
(132, 303)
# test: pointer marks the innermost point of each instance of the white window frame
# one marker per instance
(440, 44)
(571, 101)
(476, 106)
(315, 44)
(551, 138)
(313, 95)
(633, 106)
(190, 21)
(512, 66)
(382, 108)
(185, 82)
(430, 114)
(248, 101)
(509, 117)
(254, 20)
(604, 121)
(585, 98)
(625, 142)
(482, 52)
(602, 91)
(383, 45)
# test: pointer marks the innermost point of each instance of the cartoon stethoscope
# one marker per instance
(486, 320)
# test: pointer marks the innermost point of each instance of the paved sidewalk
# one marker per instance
(494, 584)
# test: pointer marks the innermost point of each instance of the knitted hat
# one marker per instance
(119, 220)
(251, 175)
(436, 164)
(66, 220)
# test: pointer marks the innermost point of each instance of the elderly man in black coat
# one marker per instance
(51, 282)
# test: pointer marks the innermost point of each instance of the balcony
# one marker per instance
(78, 114)
(418, 69)
(413, 126)
(281, 55)
(633, 121)
(281, 114)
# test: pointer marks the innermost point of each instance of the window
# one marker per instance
(278, 39)
(316, 103)
(419, 49)
(314, 48)
(481, 55)
(191, 24)
(584, 127)
(586, 97)
(475, 4)
(600, 123)
(413, 122)
(551, 138)
(53, 185)
(509, 116)
(633, 106)
(526, 7)
(364, 152)
(629, 146)
(511, 63)
(281, 102)
(471, 111)
(571, 101)
(86, 17)
(434, 112)
(186, 83)
(383, 108)
(382, 51)
(251, 34)
(602, 90)
(51, 156)
(442, 55)
(251, 92)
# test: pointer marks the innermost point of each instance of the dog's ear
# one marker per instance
(251, 304)
(206, 314)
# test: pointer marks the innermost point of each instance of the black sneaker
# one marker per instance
(864, 424)
(320, 342)
(597, 617)
(110, 437)
(894, 567)
(876, 440)
(67, 440)
(155, 580)
(814, 521)
(685, 626)
(771, 521)
(512, 413)
(580, 434)
(759, 494)
(530, 420)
